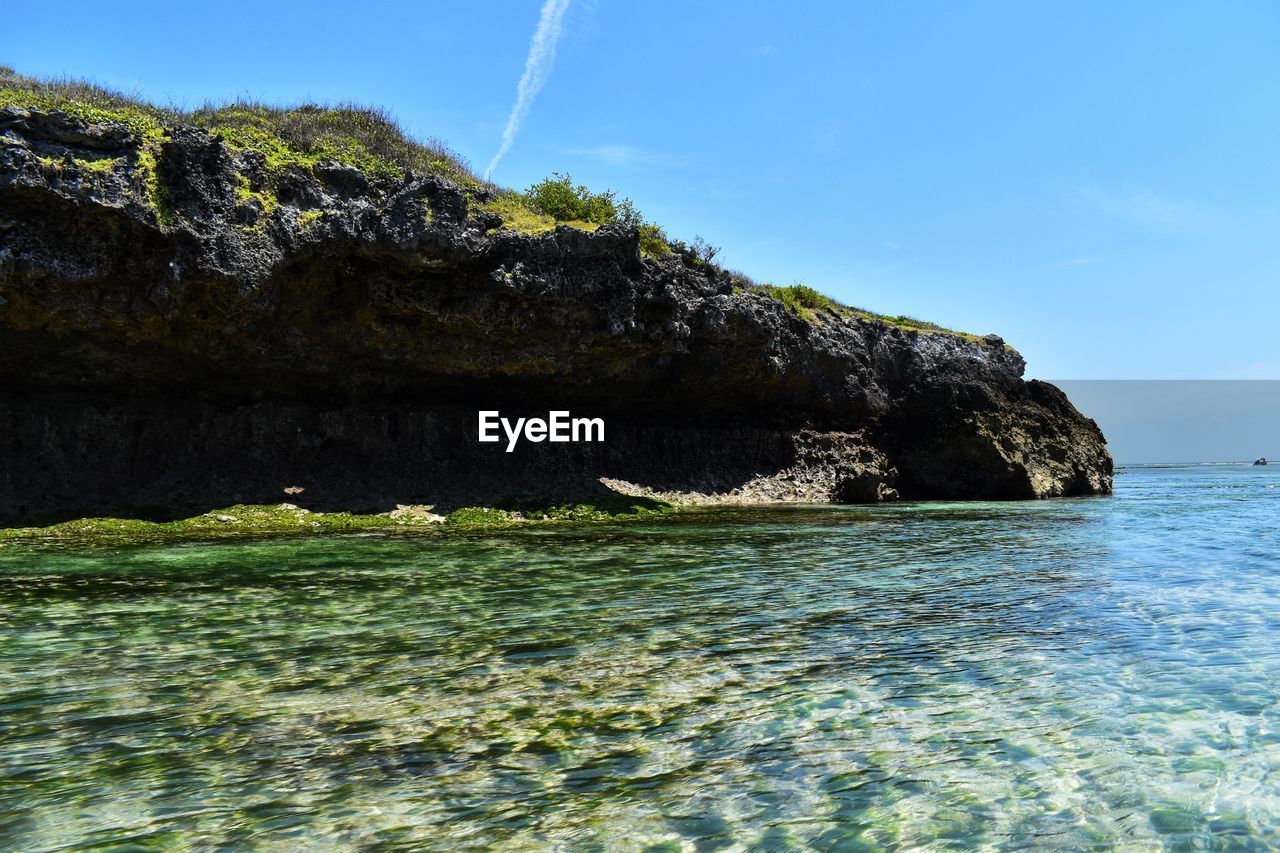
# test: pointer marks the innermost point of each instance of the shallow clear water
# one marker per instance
(1061, 674)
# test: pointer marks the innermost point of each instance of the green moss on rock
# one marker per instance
(308, 219)
(102, 166)
(154, 191)
(608, 509)
(265, 198)
(259, 520)
(472, 517)
(242, 519)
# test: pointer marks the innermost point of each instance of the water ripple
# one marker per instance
(1063, 674)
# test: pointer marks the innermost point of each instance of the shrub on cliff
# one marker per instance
(801, 299)
(560, 198)
(563, 200)
(697, 252)
(653, 240)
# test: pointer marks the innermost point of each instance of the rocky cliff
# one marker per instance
(186, 322)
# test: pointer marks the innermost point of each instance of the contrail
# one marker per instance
(537, 67)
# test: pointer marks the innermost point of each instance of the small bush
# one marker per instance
(576, 204)
(696, 253)
(703, 252)
(561, 199)
(653, 241)
(801, 299)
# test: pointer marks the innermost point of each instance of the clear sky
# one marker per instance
(1098, 182)
(1196, 420)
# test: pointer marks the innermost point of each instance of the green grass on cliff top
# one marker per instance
(363, 137)
(368, 139)
(805, 302)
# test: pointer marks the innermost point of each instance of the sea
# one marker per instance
(1090, 673)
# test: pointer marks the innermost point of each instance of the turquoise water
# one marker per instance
(1063, 674)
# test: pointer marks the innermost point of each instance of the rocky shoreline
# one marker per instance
(186, 324)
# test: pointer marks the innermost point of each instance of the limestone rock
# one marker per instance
(339, 335)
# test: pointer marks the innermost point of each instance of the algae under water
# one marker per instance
(1062, 674)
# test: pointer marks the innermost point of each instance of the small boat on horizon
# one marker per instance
(1261, 460)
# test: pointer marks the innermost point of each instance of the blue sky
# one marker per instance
(1189, 421)
(1097, 182)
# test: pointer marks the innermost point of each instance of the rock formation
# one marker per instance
(185, 325)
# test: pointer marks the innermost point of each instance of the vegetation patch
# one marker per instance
(97, 105)
(101, 166)
(156, 193)
(613, 508)
(476, 516)
(561, 199)
(255, 127)
(259, 520)
(266, 199)
(242, 519)
(84, 101)
(94, 168)
(309, 218)
(653, 241)
(801, 299)
(902, 321)
(557, 200)
(605, 509)
(811, 305)
(365, 138)
(517, 215)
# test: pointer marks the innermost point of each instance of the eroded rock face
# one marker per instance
(176, 335)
